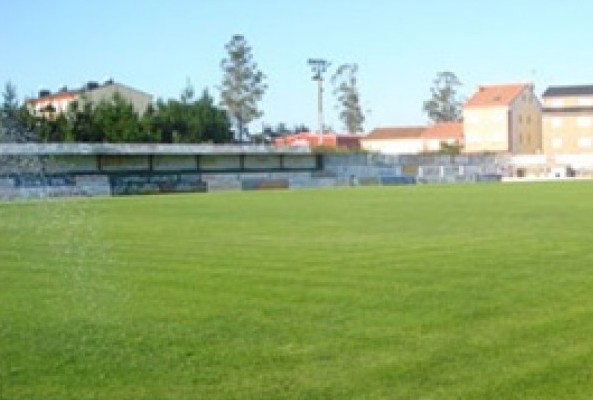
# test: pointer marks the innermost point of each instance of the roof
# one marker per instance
(89, 87)
(408, 132)
(444, 130)
(306, 139)
(562, 91)
(140, 149)
(495, 95)
(349, 141)
(54, 97)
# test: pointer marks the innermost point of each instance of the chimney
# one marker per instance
(91, 85)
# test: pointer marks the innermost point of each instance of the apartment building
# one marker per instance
(58, 102)
(503, 119)
(567, 125)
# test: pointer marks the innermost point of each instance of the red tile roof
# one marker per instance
(496, 95)
(314, 139)
(409, 132)
(53, 97)
(306, 139)
(444, 131)
(351, 142)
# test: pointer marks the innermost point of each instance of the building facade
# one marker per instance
(49, 103)
(414, 139)
(396, 140)
(503, 119)
(568, 120)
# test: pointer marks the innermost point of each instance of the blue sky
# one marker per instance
(399, 46)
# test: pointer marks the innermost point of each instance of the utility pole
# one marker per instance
(318, 67)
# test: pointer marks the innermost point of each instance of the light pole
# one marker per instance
(319, 66)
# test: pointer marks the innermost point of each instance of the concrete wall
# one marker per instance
(72, 162)
(25, 175)
(393, 146)
(163, 162)
(299, 162)
(220, 162)
(258, 162)
(124, 162)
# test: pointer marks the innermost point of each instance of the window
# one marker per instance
(528, 119)
(557, 143)
(584, 142)
(520, 119)
(584, 122)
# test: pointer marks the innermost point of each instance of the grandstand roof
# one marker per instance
(139, 149)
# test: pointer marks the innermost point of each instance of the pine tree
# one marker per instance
(242, 85)
(444, 105)
(346, 91)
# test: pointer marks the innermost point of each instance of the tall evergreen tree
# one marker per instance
(444, 105)
(10, 102)
(16, 123)
(346, 91)
(215, 124)
(188, 121)
(242, 85)
(117, 120)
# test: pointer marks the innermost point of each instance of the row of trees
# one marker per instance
(186, 120)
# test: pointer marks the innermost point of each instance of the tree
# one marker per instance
(188, 92)
(214, 123)
(10, 102)
(345, 86)
(444, 105)
(84, 126)
(57, 128)
(15, 120)
(116, 120)
(242, 85)
(190, 121)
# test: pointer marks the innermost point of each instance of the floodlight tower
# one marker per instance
(318, 67)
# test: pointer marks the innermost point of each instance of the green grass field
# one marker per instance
(426, 292)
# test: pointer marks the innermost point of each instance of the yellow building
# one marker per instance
(503, 119)
(568, 120)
